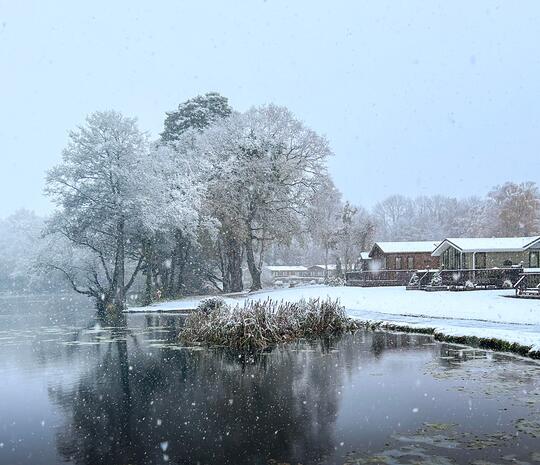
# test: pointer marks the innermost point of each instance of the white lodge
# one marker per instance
(298, 273)
(483, 253)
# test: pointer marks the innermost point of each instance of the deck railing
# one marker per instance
(529, 280)
(379, 278)
(483, 278)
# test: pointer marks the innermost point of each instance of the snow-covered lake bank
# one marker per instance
(482, 314)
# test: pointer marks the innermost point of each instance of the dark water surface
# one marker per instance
(74, 391)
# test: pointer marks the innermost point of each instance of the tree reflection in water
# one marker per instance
(146, 405)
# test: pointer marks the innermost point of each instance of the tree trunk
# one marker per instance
(326, 263)
(171, 276)
(225, 276)
(231, 257)
(119, 289)
(234, 264)
(254, 270)
(148, 288)
(174, 286)
(147, 270)
(182, 257)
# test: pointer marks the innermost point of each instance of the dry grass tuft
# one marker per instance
(258, 324)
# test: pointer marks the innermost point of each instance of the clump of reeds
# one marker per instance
(258, 324)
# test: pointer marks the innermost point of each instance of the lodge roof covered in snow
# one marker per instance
(298, 267)
(406, 247)
(487, 244)
(330, 267)
(364, 256)
(287, 268)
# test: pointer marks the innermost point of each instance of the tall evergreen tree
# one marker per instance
(175, 262)
(196, 113)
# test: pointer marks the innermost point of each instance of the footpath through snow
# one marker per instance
(481, 314)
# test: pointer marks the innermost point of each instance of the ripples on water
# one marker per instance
(75, 391)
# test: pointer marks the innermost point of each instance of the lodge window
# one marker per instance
(480, 260)
(398, 263)
(410, 263)
(451, 259)
(534, 259)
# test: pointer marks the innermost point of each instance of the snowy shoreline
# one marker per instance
(487, 319)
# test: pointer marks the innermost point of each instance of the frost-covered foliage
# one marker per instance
(508, 210)
(436, 280)
(507, 284)
(112, 190)
(265, 166)
(20, 244)
(258, 324)
(323, 218)
(424, 218)
(196, 113)
(415, 280)
(513, 210)
(210, 304)
(335, 281)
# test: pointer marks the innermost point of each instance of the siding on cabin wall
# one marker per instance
(421, 260)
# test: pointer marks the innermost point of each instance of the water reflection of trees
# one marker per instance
(196, 406)
(146, 404)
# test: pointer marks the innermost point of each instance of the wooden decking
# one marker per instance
(379, 278)
(528, 285)
(465, 280)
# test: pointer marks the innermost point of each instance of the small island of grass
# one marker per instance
(259, 324)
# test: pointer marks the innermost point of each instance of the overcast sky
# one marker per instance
(415, 97)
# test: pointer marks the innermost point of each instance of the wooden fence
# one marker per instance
(489, 278)
(379, 278)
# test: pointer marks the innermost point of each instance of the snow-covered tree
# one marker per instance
(179, 258)
(354, 235)
(430, 217)
(20, 243)
(110, 189)
(265, 167)
(196, 113)
(514, 209)
(324, 218)
(393, 217)
(172, 191)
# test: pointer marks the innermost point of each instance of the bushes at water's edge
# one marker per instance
(258, 324)
(492, 343)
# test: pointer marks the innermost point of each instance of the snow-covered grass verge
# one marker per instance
(475, 317)
(256, 324)
(487, 319)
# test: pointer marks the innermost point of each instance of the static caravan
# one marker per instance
(413, 255)
(484, 253)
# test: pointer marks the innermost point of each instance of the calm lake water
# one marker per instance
(73, 391)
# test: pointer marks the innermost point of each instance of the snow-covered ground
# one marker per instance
(487, 314)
